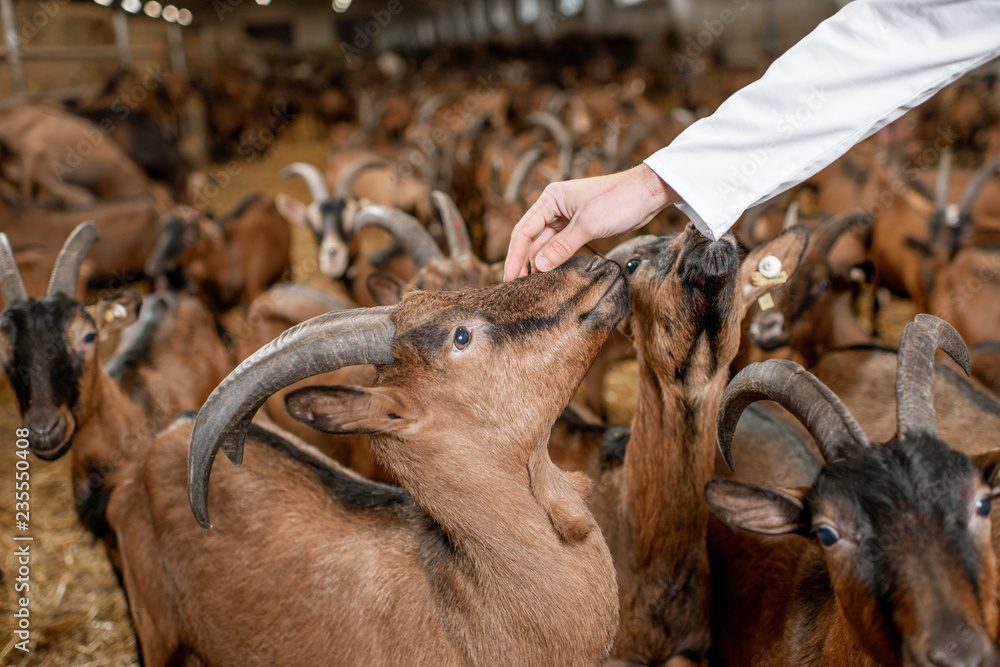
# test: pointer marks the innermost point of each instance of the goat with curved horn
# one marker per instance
(318, 187)
(798, 391)
(319, 345)
(915, 416)
(455, 229)
(11, 282)
(564, 141)
(66, 273)
(406, 229)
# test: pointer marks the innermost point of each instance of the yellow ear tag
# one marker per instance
(765, 301)
(109, 316)
(769, 272)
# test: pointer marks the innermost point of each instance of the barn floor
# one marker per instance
(78, 613)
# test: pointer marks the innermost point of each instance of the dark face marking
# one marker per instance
(683, 293)
(913, 554)
(45, 367)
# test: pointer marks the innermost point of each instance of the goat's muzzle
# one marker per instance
(51, 433)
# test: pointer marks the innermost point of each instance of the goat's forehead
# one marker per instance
(499, 304)
(883, 482)
(40, 319)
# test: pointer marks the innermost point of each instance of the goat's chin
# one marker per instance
(770, 344)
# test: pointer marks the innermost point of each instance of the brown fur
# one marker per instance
(495, 560)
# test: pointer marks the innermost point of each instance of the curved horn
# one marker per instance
(312, 176)
(979, 179)
(621, 252)
(319, 345)
(419, 244)
(11, 282)
(169, 244)
(943, 180)
(748, 222)
(66, 273)
(350, 173)
(798, 391)
(427, 108)
(455, 229)
(791, 216)
(827, 235)
(562, 137)
(524, 164)
(915, 414)
(496, 166)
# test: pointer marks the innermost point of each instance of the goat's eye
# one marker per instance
(983, 506)
(827, 535)
(90, 338)
(824, 285)
(462, 338)
(631, 266)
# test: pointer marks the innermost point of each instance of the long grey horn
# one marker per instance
(319, 345)
(798, 391)
(311, 175)
(915, 414)
(350, 173)
(66, 273)
(11, 282)
(621, 252)
(524, 164)
(827, 235)
(983, 174)
(406, 229)
(791, 216)
(943, 180)
(455, 229)
(563, 140)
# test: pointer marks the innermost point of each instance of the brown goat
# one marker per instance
(229, 261)
(688, 298)
(48, 350)
(73, 160)
(490, 547)
(884, 559)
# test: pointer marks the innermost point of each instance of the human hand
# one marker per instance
(568, 214)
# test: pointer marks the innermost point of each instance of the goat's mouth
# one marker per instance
(767, 331)
(614, 303)
(51, 443)
(52, 452)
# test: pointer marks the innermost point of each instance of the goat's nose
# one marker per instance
(965, 648)
(45, 424)
(593, 263)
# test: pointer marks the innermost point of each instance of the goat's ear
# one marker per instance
(346, 410)
(386, 290)
(788, 247)
(294, 211)
(113, 313)
(989, 463)
(758, 509)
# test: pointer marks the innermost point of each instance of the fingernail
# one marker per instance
(542, 264)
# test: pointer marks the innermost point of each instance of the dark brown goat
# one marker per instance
(48, 349)
(884, 559)
(489, 556)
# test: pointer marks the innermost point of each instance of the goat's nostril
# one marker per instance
(593, 263)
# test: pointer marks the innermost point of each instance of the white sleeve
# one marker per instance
(856, 72)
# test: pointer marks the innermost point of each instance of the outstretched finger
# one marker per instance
(537, 219)
(560, 247)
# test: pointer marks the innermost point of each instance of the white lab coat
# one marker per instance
(856, 72)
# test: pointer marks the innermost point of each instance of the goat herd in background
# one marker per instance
(427, 478)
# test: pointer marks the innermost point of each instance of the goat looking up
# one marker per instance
(884, 559)
(490, 545)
